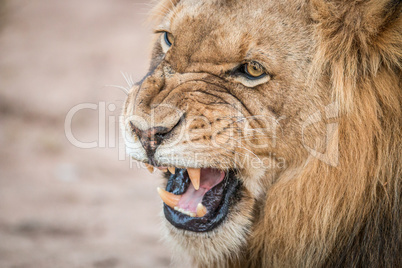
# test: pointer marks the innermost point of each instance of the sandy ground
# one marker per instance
(60, 205)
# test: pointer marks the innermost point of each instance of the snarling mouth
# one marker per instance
(199, 200)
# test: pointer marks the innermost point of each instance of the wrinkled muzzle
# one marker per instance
(166, 103)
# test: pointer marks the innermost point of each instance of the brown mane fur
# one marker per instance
(351, 215)
(348, 215)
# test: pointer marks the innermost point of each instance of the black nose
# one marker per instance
(150, 138)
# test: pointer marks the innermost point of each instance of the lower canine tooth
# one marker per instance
(150, 168)
(201, 210)
(172, 170)
(170, 199)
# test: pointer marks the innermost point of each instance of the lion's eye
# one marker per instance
(251, 74)
(168, 37)
(166, 41)
(254, 70)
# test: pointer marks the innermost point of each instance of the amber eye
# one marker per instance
(254, 70)
(168, 38)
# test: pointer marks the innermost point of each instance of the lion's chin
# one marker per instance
(199, 200)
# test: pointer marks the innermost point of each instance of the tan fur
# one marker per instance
(306, 212)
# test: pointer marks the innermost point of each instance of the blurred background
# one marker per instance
(60, 205)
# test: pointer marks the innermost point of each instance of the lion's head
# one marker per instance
(279, 122)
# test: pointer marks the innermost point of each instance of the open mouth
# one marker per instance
(199, 200)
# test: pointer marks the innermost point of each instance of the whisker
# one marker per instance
(129, 79)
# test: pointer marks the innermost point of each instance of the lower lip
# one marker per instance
(230, 194)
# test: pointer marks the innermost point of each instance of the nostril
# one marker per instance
(159, 132)
(151, 133)
(150, 138)
(160, 135)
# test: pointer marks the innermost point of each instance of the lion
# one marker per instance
(277, 126)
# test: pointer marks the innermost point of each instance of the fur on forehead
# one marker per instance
(198, 27)
(234, 32)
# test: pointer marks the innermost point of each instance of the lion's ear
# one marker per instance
(359, 28)
(355, 39)
(162, 8)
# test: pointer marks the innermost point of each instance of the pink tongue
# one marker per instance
(209, 178)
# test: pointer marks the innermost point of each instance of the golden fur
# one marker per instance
(339, 57)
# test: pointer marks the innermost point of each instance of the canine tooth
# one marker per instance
(201, 210)
(194, 174)
(192, 214)
(172, 170)
(150, 168)
(170, 199)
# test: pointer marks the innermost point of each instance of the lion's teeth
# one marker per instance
(186, 212)
(170, 199)
(172, 170)
(201, 210)
(149, 167)
(194, 174)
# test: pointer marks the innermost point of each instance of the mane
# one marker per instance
(348, 215)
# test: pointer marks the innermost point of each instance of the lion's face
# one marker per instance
(223, 103)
